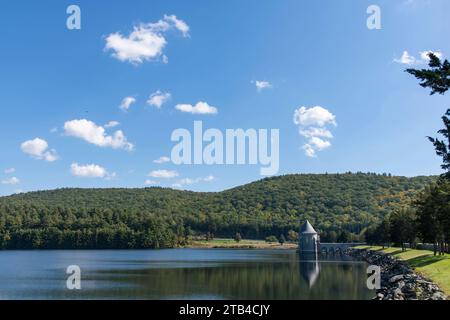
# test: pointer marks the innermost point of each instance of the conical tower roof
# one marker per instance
(307, 228)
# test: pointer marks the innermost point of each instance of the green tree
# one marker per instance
(437, 78)
(271, 239)
(402, 227)
(433, 215)
(384, 233)
(433, 205)
(292, 236)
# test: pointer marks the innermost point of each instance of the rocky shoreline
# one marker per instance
(398, 280)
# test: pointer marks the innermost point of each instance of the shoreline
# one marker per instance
(398, 280)
(243, 244)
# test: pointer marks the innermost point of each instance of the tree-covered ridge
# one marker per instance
(158, 217)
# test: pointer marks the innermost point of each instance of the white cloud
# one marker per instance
(10, 170)
(92, 133)
(158, 98)
(319, 144)
(162, 160)
(188, 181)
(199, 108)
(309, 150)
(38, 149)
(261, 85)
(150, 182)
(11, 181)
(112, 124)
(316, 132)
(90, 171)
(126, 103)
(312, 124)
(315, 116)
(408, 59)
(424, 55)
(146, 41)
(165, 174)
(179, 24)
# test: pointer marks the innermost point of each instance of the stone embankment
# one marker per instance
(398, 280)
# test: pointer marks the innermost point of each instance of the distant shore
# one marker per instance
(243, 244)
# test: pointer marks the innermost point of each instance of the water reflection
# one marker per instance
(309, 268)
(183, 274)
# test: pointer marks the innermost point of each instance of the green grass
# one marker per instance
(436, 268)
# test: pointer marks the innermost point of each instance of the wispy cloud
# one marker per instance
(10, 170)
(11, 181)
(189, 181)
(151, 182)
(126, 103)
(158, 98)
(164, 174)
(262, 85)
(112, 124)
(162, 160)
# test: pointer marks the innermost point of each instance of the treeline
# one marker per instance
(426, 221)
(340, 206)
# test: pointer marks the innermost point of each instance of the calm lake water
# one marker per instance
(181, 274)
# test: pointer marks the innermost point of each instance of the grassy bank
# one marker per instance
(243, 244)
(436, 268)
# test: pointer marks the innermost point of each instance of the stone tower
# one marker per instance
(308, 239)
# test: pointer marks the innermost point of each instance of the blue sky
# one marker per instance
(62, 86)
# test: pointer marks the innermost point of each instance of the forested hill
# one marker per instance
(158, 217)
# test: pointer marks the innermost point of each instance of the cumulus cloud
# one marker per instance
(164, 174)
(261, 85)
(158, 98)
(10, 170)
(126, 103)
(92, 133)
(11, 181)
(315, 116)
(90, 171)
(199, 108)
(38, 149)
(146, 42)
(162, 160)
(312, 123)
(409, 59)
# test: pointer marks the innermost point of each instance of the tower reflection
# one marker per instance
(309, 267)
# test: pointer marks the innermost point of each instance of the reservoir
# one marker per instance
(182, 274)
